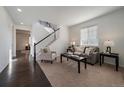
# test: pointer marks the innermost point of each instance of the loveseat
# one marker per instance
(91, 52)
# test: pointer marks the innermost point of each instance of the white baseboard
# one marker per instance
(114, 64)
(4, 68)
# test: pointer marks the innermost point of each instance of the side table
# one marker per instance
(112, 55)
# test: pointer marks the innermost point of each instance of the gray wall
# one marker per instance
(110, 26)
(5, 38)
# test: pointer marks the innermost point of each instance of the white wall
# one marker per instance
(59, 45)
(5, 38)
(110, 26)
(37, 33)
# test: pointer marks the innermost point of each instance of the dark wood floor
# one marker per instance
(22, 73)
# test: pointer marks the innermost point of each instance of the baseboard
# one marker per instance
(14, 57)
(114, 64)
(4, 68)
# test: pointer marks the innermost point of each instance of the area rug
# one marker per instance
(65, 74)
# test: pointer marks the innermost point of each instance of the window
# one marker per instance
(89, 36)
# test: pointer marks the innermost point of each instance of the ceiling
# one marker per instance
(64, 15)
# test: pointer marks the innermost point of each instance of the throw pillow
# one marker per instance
(78, 49)
(88, 50)
(45, 50)
(83, 48)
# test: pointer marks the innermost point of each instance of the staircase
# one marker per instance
(52, 29)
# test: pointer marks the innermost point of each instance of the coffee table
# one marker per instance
(76, 58)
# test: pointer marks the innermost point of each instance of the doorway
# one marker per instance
(22, 42)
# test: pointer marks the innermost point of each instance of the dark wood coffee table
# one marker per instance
(76, 58)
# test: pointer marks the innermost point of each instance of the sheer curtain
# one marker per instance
(89, 36)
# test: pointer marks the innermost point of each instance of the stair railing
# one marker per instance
(35, 44)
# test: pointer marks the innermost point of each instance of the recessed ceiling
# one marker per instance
(64, 15)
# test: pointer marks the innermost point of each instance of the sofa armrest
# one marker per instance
(94, 53)
(94, 56)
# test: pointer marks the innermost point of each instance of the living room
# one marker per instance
(102, 32)
(108, 27)
(86, 43)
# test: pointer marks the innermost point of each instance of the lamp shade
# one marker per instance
(109, 43)
(26, 44)
(73, 43)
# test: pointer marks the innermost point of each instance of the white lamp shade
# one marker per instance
(73, 43)
(109, 43)
(26, 44)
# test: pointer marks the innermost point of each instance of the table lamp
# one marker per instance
(108, 44)
(73, 43)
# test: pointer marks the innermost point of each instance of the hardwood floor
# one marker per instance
(23, 73)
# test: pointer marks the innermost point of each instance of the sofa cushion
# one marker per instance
(83, 48)
(77, 53)
(79, 49)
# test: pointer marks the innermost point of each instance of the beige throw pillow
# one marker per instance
(83, 47)
(78, 49)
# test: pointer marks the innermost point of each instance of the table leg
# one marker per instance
(100, 61)
(78, 66)
(61, 58)
(85, 63)
(67, 58)
(117, 63)
(51, 62)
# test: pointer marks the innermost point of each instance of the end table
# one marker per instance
(112, 55)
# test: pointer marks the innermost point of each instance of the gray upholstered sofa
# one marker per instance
(91, 52)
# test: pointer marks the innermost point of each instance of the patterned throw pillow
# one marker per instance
(45, 50)
(92, 50)
(89, 50)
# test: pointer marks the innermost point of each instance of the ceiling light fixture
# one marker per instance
(19, 10)
(21, 23)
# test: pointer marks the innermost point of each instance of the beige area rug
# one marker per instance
(66, 75)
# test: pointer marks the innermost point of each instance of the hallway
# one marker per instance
(22, 73)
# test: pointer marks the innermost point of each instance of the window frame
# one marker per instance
(87, 27)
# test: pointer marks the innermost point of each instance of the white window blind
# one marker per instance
(89, 36)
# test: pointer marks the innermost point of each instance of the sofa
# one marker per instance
(91, 52)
